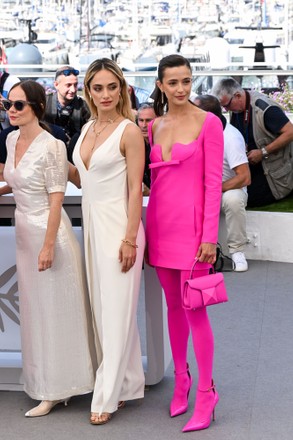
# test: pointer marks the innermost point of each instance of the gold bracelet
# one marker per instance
(129, 243)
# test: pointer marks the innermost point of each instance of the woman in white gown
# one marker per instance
(55, 334)
(109, 156)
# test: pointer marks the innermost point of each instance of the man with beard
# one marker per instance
(65, 108)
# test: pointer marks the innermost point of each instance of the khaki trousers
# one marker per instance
(234, 203)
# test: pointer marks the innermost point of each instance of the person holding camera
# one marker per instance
(65, 108)
(268, 136)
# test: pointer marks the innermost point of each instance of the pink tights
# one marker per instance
(181, 320)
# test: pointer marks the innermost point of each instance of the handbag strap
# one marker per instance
(193, 266)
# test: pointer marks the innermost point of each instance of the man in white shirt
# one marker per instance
(236, 176)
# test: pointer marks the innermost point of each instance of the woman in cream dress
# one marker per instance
(109, 156)
(54, 332)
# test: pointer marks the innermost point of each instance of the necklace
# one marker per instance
(109, 121)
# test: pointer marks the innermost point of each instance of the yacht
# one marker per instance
(52, 48)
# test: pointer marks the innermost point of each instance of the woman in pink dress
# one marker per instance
(182, 223)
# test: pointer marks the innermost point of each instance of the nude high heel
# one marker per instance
(205, 404)
(45, 407)
(183, 383)
(101, 419)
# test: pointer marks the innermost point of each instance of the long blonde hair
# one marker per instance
(123, 107)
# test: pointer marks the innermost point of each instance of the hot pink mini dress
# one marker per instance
(184, 204)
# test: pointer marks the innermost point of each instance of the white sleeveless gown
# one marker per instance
(113, 294)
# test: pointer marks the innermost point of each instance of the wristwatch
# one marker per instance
(264, 153)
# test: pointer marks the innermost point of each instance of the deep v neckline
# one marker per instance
(175, 143)
(172, 148)
(99, 147)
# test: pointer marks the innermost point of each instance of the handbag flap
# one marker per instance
(206, 282)
(204, 291)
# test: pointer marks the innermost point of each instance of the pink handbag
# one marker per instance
(204, 291)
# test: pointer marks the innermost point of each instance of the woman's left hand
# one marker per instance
(127, 257)
(207, 253)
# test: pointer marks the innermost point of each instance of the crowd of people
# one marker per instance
(79, 329)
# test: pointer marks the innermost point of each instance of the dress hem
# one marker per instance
(111, 411)
(61, 396)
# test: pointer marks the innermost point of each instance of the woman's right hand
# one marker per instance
(207, 253)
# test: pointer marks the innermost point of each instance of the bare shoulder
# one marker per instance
(131, 138)
(201, 117)
(132, 129)
(159, 123)
(198, 113)
(131, 133)
(197, 109)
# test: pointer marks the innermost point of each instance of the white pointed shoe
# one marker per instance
(239, 262)
(44, 408)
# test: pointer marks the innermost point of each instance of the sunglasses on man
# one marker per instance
(18, 105)
(67, 72)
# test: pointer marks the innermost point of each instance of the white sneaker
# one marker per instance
(240, 262)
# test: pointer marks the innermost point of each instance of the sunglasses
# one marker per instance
(18, 105)
(67, 72)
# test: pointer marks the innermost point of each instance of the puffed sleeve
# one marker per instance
(56, 166)
(213, 168)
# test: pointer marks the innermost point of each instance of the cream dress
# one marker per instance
(54, 330)
(113, 294)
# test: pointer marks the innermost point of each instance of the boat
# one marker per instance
(52, 48)
(88, 49)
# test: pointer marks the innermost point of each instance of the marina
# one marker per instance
(214, 35)
(249, 39)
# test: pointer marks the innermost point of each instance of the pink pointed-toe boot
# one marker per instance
(206, 401)
(179, 402)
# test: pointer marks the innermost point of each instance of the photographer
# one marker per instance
(65, 108)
